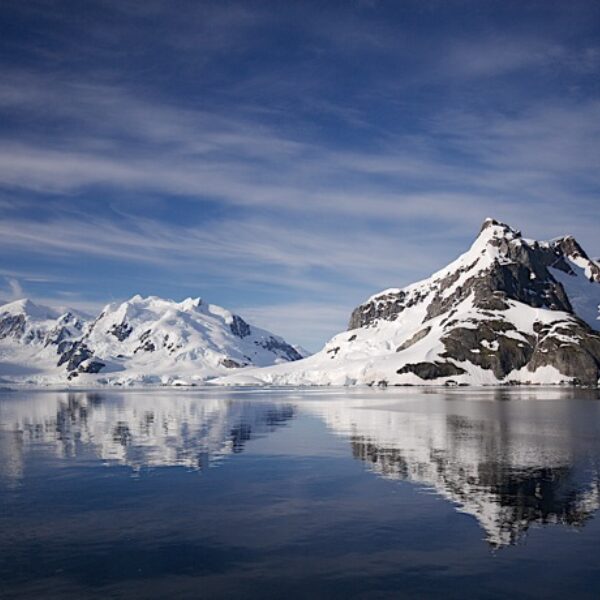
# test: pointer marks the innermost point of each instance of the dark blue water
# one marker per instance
(300, 494)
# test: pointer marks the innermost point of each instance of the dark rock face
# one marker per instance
(12, 326)
(387, 306)
(488, 347)
(239, 327)
(431, 370)
(78, 358)
(275, 345)
(414, 339)
(569, 246)
(92, 366)
(492, 287)
(121, 331)
(229, 363)
(75, 355)
(572, 348)
(146, 344)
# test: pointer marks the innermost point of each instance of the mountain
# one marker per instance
(142, 340)
(31, 336)
(508, 311)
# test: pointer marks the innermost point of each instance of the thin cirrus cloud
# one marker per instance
(501, 56)
(229, 247)
(519, 154)
(288, 162)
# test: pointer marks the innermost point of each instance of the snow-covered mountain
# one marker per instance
(510, 310)
(32, 338)
(30, 323)
(142, 340)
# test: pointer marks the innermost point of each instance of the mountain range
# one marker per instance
(140, 341)
(508, 311)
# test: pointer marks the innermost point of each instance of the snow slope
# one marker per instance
(30, 338)
(143, 340)
(509, 310)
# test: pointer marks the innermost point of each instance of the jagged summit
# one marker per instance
(500, 263)
(509, 310)
(490, 223)
(489, 246)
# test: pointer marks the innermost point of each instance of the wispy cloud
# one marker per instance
(496, 55)
(302, 156)
(161, 149)
(16, 289)
(247, 248)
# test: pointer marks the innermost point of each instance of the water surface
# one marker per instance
(300, 493)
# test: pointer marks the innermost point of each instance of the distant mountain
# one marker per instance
(30, 324)
(142, 340)
(508, 311)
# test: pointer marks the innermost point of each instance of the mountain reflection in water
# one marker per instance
(508, 464)
(141, 431)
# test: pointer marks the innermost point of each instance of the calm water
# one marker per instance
(300, 494)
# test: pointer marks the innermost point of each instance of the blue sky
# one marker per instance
(287, 159)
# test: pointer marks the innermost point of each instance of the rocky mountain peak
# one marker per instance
(497, 229)
(568, 248)
(509, 310)
(499, 266)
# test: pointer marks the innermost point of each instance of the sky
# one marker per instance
(286, 159)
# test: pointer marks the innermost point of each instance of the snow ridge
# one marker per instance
(141, 341)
